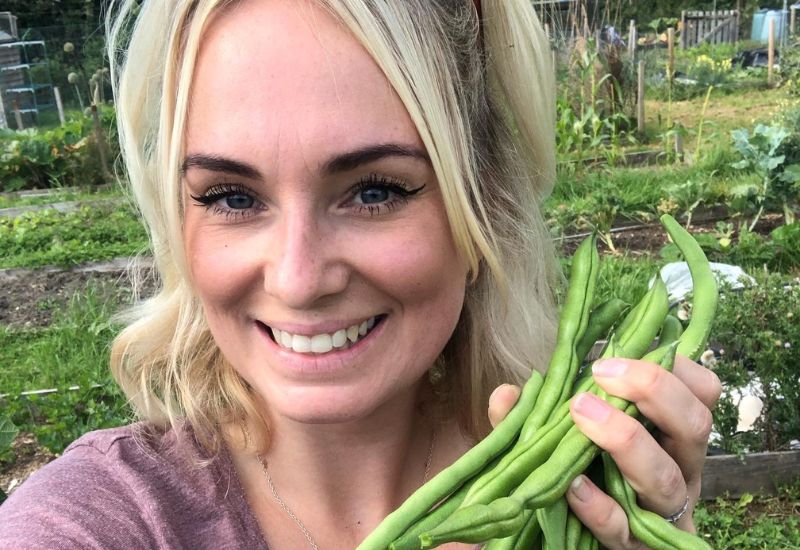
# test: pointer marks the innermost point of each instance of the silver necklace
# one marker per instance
(297, 520)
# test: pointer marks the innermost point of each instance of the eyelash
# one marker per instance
(399, 188)
(211, 198)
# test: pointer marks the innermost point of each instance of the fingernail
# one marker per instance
(610, 367)
(580, 488)
(592, 407)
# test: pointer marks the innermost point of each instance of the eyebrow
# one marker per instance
(339, 163)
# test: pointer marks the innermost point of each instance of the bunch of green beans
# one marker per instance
(508, 490)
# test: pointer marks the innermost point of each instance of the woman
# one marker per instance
(352, 256)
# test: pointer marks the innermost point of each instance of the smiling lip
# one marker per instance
(319, 347)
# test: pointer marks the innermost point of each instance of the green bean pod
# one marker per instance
(650, 528)
(524, 457)
(409, 540)
(671, 331)
(448, 480)
(573, 531)
(601, 319)
(572, 456)
(572, 324)
(704, 294)
(528, 455)
(586, 540)
(501, 518)
(645, 321)
(553, 521)
(524, 538)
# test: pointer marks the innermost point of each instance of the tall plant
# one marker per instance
(776, 184)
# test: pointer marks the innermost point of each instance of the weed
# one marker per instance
(48, 237)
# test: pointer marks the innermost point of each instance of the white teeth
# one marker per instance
(352, 333)
(301, 344)
(323, 343)
(339, 338)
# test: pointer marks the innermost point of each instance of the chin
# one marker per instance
(332, 405)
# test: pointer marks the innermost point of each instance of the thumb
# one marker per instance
(501, 401)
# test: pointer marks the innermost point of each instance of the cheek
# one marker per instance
(425, 275)
(222, 270)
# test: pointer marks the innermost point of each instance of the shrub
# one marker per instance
(63, 156)
(757, 329)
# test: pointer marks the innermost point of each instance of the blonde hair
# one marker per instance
(481, 94)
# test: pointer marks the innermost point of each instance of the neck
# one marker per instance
(341, 479)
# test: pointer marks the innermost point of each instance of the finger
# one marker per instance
(702, 382)
(652, 473)
(684, 419)
(501, 401)
(601, 515)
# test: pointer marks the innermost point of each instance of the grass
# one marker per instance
(73, 351)
(83, 194)
(92, 233)
(752, 522)
(725, 112)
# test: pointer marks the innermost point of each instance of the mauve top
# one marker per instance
(112, 490)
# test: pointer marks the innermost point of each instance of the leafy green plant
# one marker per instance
(758, 331)
(63, 156)
(779, 251)
(759, 152)
(751, 522)
(73, 351)
(8, 431)
(49, 237)
(689, 195)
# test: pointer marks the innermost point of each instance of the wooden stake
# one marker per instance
(771, 51)
(792, 20)
(671, 53)
(684, 34)
(640, 100)
(59, 105)
(3, 120)
(632, 38)
(17, 115)
(101, 143)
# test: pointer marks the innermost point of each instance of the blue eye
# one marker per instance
(233, 200)
(377, 194)
(374, 195)
(239, 202)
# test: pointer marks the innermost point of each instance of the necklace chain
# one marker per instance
(297, 520)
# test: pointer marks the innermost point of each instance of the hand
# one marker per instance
(663, 470)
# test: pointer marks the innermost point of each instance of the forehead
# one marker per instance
(274, 75)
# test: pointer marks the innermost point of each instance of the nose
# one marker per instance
(307, 261)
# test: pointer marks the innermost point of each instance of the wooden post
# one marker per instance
(101, 143)
(17, 115)
(792, 20)
(684, 33)
(59, 105)
(640, 100)
(632, 38)
(3, 119)
(771, 51)
(671, 53)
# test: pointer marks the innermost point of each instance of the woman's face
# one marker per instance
(311, 214)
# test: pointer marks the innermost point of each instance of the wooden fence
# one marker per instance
(715, 27)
